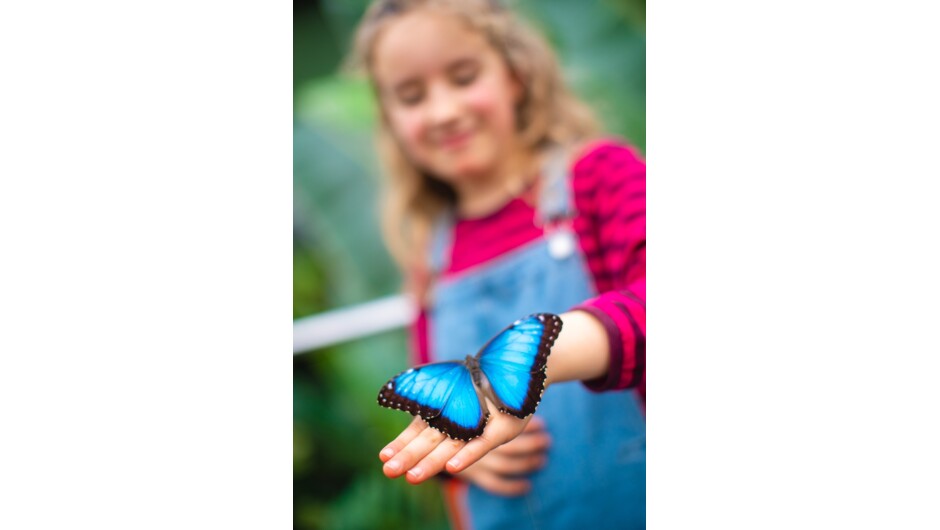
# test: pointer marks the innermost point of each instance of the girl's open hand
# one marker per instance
(503, 470)
(421, 452)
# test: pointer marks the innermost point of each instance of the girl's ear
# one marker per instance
(518, 89)
(516, 86)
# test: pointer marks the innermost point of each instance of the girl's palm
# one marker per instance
(421, 451)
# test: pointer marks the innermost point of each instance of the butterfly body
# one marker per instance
(509, 371)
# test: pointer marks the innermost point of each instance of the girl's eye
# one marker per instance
(410, 95)
(465, 74)
(410, 99)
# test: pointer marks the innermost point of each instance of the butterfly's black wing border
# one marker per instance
(552, 323)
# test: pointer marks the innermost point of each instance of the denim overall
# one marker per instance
(595, 472)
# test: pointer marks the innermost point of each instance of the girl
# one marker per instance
(502, 204)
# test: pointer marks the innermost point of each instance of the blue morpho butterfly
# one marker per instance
(509, 370)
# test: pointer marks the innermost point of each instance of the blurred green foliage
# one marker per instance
(339, 258)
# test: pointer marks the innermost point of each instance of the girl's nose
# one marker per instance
(443, 107)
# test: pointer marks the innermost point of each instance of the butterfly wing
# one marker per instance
(514, 362)
(441, 393)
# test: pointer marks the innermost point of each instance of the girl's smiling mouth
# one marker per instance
(456, 141)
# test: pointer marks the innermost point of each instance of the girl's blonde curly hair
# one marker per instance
(549, 114)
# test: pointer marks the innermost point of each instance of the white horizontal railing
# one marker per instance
(348, 323)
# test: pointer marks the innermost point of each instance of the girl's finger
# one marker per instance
(507, 487)
(536, 424)
(525, 444)
(501, 464)
(410, 433)
(412, 453)
(434, 462)
(470, 453)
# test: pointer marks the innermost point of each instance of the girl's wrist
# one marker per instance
(581, 351)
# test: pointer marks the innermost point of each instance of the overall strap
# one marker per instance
(556, 203)
(555, 199)
(441, 241)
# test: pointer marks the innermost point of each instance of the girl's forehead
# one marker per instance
(422, 42)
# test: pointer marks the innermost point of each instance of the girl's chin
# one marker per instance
(468, 171)
(467, 166)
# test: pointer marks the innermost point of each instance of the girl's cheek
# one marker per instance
(409, 127)
(480, 98)
(491, 101)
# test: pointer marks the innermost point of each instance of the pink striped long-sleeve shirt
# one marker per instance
(609, 182)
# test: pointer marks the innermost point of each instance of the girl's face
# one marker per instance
(447, 95)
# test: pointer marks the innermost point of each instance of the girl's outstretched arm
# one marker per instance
(419, 452)
(610, 194)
